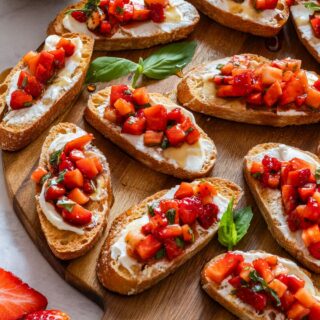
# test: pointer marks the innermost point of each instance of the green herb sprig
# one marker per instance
(167, 61)
(234, 225)
(312, 5)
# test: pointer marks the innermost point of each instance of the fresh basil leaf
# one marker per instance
(160, 253)
(55, 157)
(169, 60)
(219, 66)
(171, 214)
(61, 176)
(105, 69)
(242, 219)
(151, 210)
(66, 204)
(312, 5)
(317, 176)
(227, 233)
(179, 242)
(45, 178)
(138, 73)
(164, 143)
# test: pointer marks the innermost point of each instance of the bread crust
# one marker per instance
(67, 245)
(125, 42)
(269, 205)
(116, 278)
(15, 137)
(232, 303)
(214, 11)
(111, 131)
(191, 94)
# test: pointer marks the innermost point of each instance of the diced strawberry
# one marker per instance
(189, 209)
(33, 87)
(294, 221)
(305, 297)
(120, 91)
(230, 91)
(306, 191)
(265, 4)
(278, 286)
(110, 114)
(187, 233)
(176, 116)
(141, 96)
(294, 88)
(124, 107)
(317, 84)
(33, 63)
(272, 260)
(46, 59)
(313, 98)
(78, 143)
(257, 300)
(227, 69)
(23, 79)
(176, 135)
(222, 268)
(148, 247)
(315, 23)
(236, 282)
(20, 99)
(244, 269)
(157, 13)
(78, 196)
(156, 117)
(66, 164)
(54, 192)
(287, 300)
(263, 268)
(193, 136)
(314, 312)
(206, 188)
(297, 311)
(28, 56)
(273, 94)
(300, 100)
(78, 216)
(255, 99)
(299, 178)
(140, 13)
(170, 231)
(256, 169)
(59, 57)
(270, 75)
(105, 27)
(38, 174)
(87, 167)
(73, 179)
(185, 190)
(134, 125)
(289, 198)
(80, 16)
(42, 74)
(208, 216)
(314, 250)
(173, 250)
(76, 155)
(152, 138)
(88, 186)
(47, 315)
(17, 299)
(67, 45)
(168, 204)
(271, 164)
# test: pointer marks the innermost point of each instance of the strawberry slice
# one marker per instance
(17, 298)
(47, 315)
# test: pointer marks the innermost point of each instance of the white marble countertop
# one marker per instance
(23, 24)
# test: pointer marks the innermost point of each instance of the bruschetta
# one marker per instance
(252, 89)
(284, 182)
(257, 285)
(40, 87)
(307, 24)
(74, 193)
(152, 239)
(123, 25)
(152, 129)
(263, 18)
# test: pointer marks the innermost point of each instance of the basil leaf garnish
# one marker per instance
(171, 215)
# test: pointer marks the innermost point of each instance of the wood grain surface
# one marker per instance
(179, 296)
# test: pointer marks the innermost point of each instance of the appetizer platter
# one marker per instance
(126, 185)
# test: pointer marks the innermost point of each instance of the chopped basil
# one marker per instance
(160, 254)
(261, 285)
(165, 143)
(171, 215)
(119, 10)
(317, 176)
(312, 5)
(45, 178)
(55, 157)
(219, 66)
(61, 176)
(192, 235)
(151, 210)
(179, 242)
(24, 82)
(88, 8)
(27, 104)
(66, 204)
(189, 130)
(257, 175)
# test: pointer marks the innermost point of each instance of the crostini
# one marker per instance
(74, 193)
(152, 239)
(252, 89)
(40, 87)
(307, 24)
(152, 129)
(257, 285)
(122, 25)
(263, 18)
(284, 182)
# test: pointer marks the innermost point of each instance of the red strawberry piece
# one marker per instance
(16, 298)
(47, 315)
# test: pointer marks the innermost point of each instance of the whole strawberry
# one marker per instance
(47, 315)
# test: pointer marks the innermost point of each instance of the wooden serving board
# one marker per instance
(179, 296)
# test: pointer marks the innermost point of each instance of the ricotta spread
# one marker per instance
(62, 82)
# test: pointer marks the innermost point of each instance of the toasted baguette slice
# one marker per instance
(223, 293)
(244, 17)
(147, 155)
(198, 93)
(270, 204)
(115, 277)
(64, 244)
(19, 127)
(139, 35)
(301, 20)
